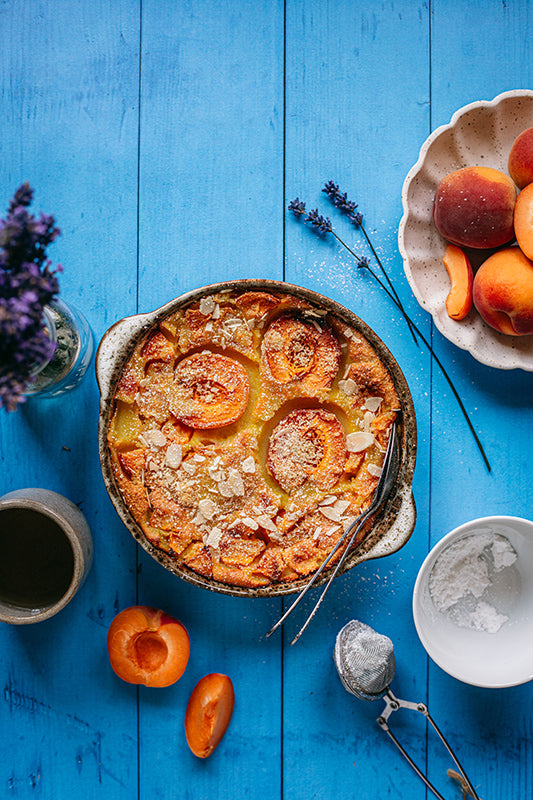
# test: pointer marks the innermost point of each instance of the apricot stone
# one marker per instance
(459, 269)
(503, 292)
(523, 220)
(473, 207)
(520, 164)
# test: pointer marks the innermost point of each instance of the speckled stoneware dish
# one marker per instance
(479, 134)
(394, 524)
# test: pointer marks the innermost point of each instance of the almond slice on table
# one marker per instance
(209, 390)
(295, 350)
(307, 445)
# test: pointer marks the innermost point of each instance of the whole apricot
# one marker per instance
(523, 220)
(520, 163)
(147, 646)
(208, 713)
(473, 207)
(503, 292)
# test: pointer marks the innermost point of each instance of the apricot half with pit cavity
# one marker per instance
(147, 646)
(473, 207)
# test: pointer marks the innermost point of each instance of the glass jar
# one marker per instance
(68, 328)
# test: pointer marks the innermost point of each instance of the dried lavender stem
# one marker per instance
(428, 345)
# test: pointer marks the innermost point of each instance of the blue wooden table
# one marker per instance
(167, 137)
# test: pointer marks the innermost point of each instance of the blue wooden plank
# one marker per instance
(211, 209)
(464, 70)
(69, 101)
(342, 124)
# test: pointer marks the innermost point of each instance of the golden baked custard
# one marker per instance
(247, 430)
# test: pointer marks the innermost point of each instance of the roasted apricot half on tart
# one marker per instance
(295, 349)
(209, 391)
(308, 445)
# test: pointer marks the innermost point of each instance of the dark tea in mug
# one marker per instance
(36, 559)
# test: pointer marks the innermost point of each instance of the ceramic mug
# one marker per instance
(46, 551)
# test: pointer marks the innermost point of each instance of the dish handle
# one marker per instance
(110, 350)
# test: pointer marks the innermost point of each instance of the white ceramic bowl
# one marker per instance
(479, 134)
(479, 657)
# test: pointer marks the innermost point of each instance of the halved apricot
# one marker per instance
(295, 349)
(307, 445)
(208, 713)
(523, 221)
(209, 391)
(459, 269)
(147, 646)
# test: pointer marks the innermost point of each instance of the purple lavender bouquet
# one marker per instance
(27, 285)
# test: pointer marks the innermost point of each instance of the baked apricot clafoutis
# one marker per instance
(248, 429)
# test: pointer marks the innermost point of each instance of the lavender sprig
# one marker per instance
(323, 225)
(27, 285)
(340, 200)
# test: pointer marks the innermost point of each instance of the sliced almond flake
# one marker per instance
(212, 539)
(368, 418)
(225, 489)
(208, 327)
(341, 506)
(216, 311)
(373, 403)
(199, 519)
(359, 441)
(216, 475)
(197, 457)
(248, 465)
(207, 508)
(250, 523)
(349, 387)
(207, 305)
(189, 468)
(152, 466)
(328, 501)
(154, 438)
(216, 461)
(330, 513)
(236, 482)
(173, 455)
(374, 470)
(266, 523)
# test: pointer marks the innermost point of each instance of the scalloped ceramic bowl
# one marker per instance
(394, 524)
(480, 133)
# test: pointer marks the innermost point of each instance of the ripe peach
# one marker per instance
(147, 646)
(459, 269)
(473, 207)
(503, 292)
(523, 220)
(520, 163)
(209, 713)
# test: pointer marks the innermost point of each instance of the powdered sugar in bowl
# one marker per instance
(473, 602)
